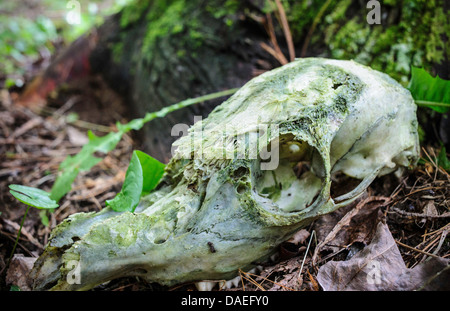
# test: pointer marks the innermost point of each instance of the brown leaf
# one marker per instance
(76, 138)
(380, 267)
(299, 237)
(292, 247)
(18, 271)
(358, 224)
(314, 283)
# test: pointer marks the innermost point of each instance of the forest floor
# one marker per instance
(394, 237)
(414, 206)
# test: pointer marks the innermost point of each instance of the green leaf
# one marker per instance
(143, 174)
(33, 197)
(83, 161)
(152, 171)
(63, 183)
(44, 218)
(429, 91)
(129, 196)
(443, 160)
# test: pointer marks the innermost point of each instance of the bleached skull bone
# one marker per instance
(211, 214)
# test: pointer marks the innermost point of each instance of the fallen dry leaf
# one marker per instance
(358, 224)
(380, 267)
(299, 237)
(18, 271)
(76, 137)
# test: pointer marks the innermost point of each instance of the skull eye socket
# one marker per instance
(294, 184)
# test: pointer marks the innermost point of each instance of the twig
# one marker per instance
(399, 211)
(430, 245)
(242, 280)
(416, 250)
(313, 233)
(267, 279)
(271, 51)
(23, 231)
(268, 25)
(286, 30)
(437, 231)
(250, 280)
(25, 128)
(441, 241)
(414, 192)
(12, 237)
(435, 163)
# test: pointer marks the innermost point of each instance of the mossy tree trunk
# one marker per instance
(158, 52)
(161, 52)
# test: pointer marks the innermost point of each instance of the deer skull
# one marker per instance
(245, 179)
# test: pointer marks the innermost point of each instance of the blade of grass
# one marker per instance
(313, 27)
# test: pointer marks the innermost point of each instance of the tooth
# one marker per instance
(234, 282)
(274, 257)
(252, 271)
(205, 286)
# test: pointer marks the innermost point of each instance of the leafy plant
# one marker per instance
(429, 91)
(32, 197)
(442, 159)
(22, 39)
(143, 174)
(85, 159)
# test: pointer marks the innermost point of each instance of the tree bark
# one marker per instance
(157, 52)
(192, 53)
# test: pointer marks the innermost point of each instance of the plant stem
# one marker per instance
(313, 27)
(425, 103)
(185, 103)
(18, 234)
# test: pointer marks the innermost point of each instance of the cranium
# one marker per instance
(213, 213)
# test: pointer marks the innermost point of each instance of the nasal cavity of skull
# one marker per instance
(293, 185)
(336, 85)
(140, 271)
(342, 184)
(241, 177)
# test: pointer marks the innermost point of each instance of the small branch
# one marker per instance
(416, 250)
(275, 51)
(399, 211)
(271, 51)
(286, 30)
